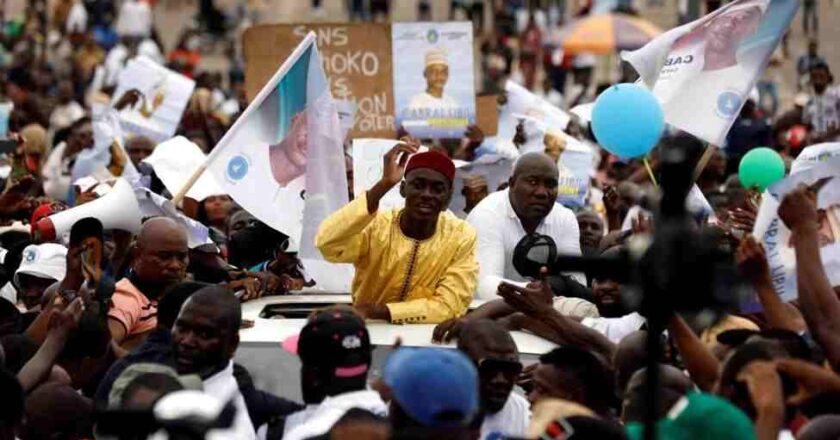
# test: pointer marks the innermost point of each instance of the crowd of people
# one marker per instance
(109, 334)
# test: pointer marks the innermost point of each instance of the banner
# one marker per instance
(283, 159)
(434, 89)
(703, 71)
(356, 59)
(776, 237)
(164, 96)
(520, 104)
(815, 154)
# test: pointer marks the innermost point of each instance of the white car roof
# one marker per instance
(276, 330)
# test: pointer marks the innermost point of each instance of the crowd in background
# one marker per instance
(69, 362)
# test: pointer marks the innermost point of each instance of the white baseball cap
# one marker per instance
(46, 260)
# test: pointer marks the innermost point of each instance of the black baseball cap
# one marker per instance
(336, 340)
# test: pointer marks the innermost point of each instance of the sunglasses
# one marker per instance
(491, 367)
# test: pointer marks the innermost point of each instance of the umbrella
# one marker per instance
(606, 33)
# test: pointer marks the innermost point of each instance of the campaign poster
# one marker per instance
(434, 87)
(575, 166)
(776, 237)
(164, 95)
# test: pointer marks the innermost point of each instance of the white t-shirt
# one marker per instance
(316, 420)
(223, 386)
(615, 329)
(427, 101)
(500, 230)
(511, 421)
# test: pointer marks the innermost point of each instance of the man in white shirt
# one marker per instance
(205, 338)
(501, 411)
(529, 206)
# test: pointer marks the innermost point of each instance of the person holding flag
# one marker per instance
(414, 265)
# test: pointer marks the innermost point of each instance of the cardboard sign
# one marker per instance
(356, 58)
(487, 114)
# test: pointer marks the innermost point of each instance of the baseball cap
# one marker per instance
(336, 339)
(46, 260)
(436, 387)
(690, 418)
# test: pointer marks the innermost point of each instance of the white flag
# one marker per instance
(703, 71)
(283, 159)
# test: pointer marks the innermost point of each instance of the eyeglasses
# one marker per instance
(490, 367)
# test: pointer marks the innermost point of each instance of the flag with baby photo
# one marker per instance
(283, 159)
(703, 71)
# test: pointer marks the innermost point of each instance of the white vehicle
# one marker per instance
(278, 317)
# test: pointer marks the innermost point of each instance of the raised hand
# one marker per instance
(395, 160)
(752, 259)
(533, 300)
(812, 380)
(799, 208)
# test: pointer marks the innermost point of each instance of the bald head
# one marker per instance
(630, 356)
(825, 427)
(161, 256)
(534, 160)
(483, 338)
(158, 229)
(673, 385)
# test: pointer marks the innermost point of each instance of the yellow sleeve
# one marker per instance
(340, 237)
(453, 293)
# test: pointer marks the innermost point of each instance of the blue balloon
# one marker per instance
(627, 120)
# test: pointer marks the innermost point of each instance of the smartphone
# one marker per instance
(8, 146)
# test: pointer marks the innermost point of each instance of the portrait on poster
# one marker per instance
(434, 89)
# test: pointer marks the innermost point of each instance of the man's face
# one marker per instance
(591, 230)
(436, 76)
(163, 262)
(202, 341)
(240, 221)
(139, 149)
(32, 289)
(426, 193)
(474, 195)
(819, 79)
(498, 369)
(607, 295)
(82, 137)
(533, 192)
(547, 385)
(727, 30)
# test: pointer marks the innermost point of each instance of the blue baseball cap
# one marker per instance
(437, 387)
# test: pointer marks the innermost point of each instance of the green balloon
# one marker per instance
(760, 168)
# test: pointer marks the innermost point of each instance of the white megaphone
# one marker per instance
(116, 210)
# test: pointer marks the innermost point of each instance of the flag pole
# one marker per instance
(704, 160)
(267, 88)
(179, 196)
